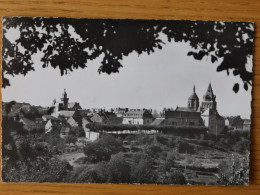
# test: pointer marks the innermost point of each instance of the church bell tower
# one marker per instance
(209, 100)
(65, 100)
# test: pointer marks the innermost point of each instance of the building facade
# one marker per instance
(209, 113)
(137, 117)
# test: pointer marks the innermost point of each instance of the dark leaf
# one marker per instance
(236, 88)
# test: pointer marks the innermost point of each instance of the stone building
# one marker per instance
(209, 113)
(64, 105)
(185, 116)
(138, 117)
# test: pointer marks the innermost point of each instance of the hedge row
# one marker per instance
(162, 129)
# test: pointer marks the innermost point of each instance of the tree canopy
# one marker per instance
(114, 39)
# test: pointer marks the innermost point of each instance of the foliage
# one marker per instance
(169, 162)
(153, 150)
(79, 131)
(39, 170)
(235, 171)
(185, 147)
(34, 162)
(170, 129)
(172, 177)
(114, 39)
(102, 148)
(142, 170)
(71, 139)
(118, 169)
(242, 146)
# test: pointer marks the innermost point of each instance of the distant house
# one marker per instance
(66, 113)
(48, 126)
(158, 121)
(137, 117)
(84, 113)
(50, 121)
(119, 112)
(235, 122)
(72, 122)
(181, 117)
(28, 124)
(74, 106)
(102, 117)
(247, 124)
(48, 117)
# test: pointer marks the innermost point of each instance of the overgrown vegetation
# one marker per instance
(134, 158)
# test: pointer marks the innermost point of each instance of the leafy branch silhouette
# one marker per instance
(115, 39)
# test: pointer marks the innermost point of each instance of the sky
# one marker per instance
(164, 78)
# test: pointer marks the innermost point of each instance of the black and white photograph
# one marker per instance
(126, 101)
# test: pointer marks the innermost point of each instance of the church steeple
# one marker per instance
(209, 96)
(209, 100)
(65, 100)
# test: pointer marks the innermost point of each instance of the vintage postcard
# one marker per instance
(126, 101)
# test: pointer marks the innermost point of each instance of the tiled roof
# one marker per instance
(49, 117)
(158, 121)
(185, 109)
(66, 113)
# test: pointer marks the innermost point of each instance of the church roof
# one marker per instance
(184, 109)
(72, 104)
(193, 96)
(66, 113)
(209, 96)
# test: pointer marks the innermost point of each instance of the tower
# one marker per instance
(193, 101)
(65, 100)
(209, 100)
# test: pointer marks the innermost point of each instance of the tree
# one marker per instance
(102, 148)
(235, 171)
(114, 39)
(71, 139)
(142, 170)
(118, 169)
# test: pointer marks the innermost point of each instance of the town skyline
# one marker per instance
(164, 78)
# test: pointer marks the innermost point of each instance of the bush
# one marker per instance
(39, 170)
(118, 169)
(142, 170)
(242, 146)
(161, 139)
(184, 147)
(71, 139)
(172, 177)
(95, 174)
(153, 150)
(172, 129)
(102, 148)
(169, 162)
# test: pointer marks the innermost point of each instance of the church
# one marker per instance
(64, 105)
(196, 114)
(209, 113)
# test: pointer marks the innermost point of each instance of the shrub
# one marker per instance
(118, 169)
(161, 139)
(102, 148)
(184, 147)
(153, 150)
(71, 139)
(95, 174)
(142, 170)
(172, 177)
